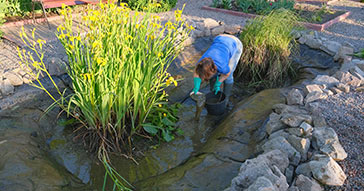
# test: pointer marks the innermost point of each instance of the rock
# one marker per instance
(300, 144)
(6, 88)
(295, 131)
(207, 32)
(304, 183)
(357, 72)
(327, 171)
(360, 65)
(328, 92)
(262, 184)
(295, 120)
(319, 121)
(295, 97)
(306, 128)
(347, 78)
(334, 150)
(336, 90)
(198, 33)
(189, 41)
(289, 174)
(343, 52)
(262, 166)
(343, 87)
(324, 135)
(293, 188)
(312, 42)
(274, 123)
(293, 109)
(210, 23)
(302, 39)
(14, 78)
(331, 47)
(325, 79)
(304, 168)
(55, 66)
(280, 133)
(232, 29)
(314, 96)
(217, 30)
(283, 145)
(359, 89)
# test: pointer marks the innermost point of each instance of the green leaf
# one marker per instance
(167, 122)
(150, 129)
(180, 132)
(167, 136)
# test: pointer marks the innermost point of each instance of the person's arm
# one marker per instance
(223, 77)
(196, 83)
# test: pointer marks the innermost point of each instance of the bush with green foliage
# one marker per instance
(268, 43)
(165, 5)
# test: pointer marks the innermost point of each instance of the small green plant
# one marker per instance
(163, 5)
(244, 5)
(267, 44)
(226, 4)
(263, 7)
(216, 3)
(360, 54)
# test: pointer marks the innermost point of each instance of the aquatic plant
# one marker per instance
(118, 63)
(268, 42)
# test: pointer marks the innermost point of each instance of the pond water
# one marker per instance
(38, 152)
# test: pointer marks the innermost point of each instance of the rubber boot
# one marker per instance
(227, 91)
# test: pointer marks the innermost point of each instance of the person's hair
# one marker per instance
(206, 68)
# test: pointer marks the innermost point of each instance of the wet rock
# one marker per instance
(331, 47)
(307, 128)
(295, 120)
(283, 145)
(304, 183)
(262, 184)
(334, 150)
(14, 78)
(304, 168)
(327, 171)
(289, 174)
(217, 30)
(274, 123)
(343, 87)
(6, 88)
(314, 96)
(300, 144)
(55, 66)
(210, 23)
(347, 78)
(295, 97)
(293, 109)
(312, 88)
(325, 80)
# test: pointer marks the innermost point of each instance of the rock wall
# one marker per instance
(296, 134)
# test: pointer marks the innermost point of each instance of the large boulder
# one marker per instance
(304, 183)
(327, 171)
(280, 143)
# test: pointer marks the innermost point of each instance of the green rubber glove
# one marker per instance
(217, 85)
(196, 83)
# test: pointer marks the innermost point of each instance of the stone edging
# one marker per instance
(301, 151)
(318, 27)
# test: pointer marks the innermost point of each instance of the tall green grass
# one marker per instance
(164, 5)
(268, 43)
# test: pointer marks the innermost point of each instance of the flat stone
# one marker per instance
(293, 109)
(210, 23)
(313, 96)
(343, 52)
(283, 145)
(274, 123)
(325, 79)
(304, 183)
(294, 97)
(343, 87)
(218, 30)
(327, 171)
(14, 78)
(304, 168)
(6, 88)
(331, 47)
(295, 120)
(312, 42)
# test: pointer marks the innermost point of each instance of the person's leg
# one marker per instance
(233, 62)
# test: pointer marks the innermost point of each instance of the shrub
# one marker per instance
(267, 44)
(263, 7)
(164, 5)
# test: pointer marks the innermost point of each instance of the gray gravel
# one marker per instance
(345, 114)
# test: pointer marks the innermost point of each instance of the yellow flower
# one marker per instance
(62, 36)
(160, 54)
(159, 105)
(101, 61)
(71, 46)
(164, 114)
(129, 37)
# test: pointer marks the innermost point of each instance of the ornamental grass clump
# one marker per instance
(118, 63)
(268, 42)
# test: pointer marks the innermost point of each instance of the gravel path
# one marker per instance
(346, 116)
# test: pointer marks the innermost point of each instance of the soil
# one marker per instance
(308, 13)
